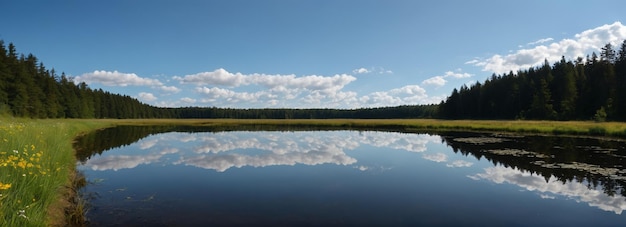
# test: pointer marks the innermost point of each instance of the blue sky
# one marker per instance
(302, 54)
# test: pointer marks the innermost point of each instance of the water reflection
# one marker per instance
(117, 162)
(408, 174)
(598, 163)
(224, 150)
(551, 187)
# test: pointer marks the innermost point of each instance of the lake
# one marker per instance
(172, 176)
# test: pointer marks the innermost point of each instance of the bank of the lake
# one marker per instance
(576, 128)
(37, 162)
(37, 167)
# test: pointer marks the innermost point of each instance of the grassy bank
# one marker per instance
(36, 165)
(579, 128)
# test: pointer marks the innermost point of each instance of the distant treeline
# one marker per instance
(585, 89)
(29, 89)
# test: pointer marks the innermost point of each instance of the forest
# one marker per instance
(593, 88)
(28, 89)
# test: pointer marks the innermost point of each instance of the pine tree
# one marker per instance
(564, 92)
(4, 78)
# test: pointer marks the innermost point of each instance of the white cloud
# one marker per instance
(170, 89)
(216, 94)
(149, 97)
(540, 41)
(116, 78)
(311, 83)
(188, 100)
(221, 88)
(407, 95)
(302, 92)
(379, 70)
(457, 75)
(435, 81)
(439, 81)
(361, 71)
(583, 44)
(217, 77)
(473, 62)
(221, 77)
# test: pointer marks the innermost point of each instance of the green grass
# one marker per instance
(37, 162)
(578, 128)
(36, 165)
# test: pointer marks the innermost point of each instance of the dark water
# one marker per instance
(343, 178)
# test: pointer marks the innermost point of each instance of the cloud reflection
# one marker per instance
(117, 162)
(225, 150)
(460, 163)
(222, 151)
(570, 189)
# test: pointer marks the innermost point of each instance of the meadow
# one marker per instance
(574, 128)
(37, 161)
(37, 167)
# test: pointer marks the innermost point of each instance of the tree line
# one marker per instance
(29, 89)
(583, 89)
(586, 88)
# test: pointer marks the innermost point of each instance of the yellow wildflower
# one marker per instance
(21, 164)
(4, 186)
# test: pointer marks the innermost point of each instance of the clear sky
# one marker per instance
(302, 54)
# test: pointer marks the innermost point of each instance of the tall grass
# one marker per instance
(584, 128)
(36, 162)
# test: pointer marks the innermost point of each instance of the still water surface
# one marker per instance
(323, 178)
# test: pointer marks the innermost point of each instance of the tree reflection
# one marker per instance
(596, 162)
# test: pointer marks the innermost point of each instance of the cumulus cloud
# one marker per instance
(361, 71)
(407, 95)
(188, 100)
(116, 78)
(457, 74)
(439, 81)
(169, 89)
(217, 77)
(299, 92)
(221, 77)
(540, 41)
(222, 88)
(436, 81)
(216, 94)
(582, 44)
(149, 97)
(379, 70)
